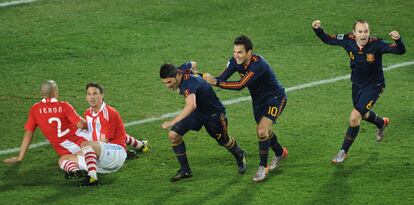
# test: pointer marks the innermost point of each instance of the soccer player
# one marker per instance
(202, 108)
(107, 152)
(268, 95)
(59, 123)
(104, 152)
(365, 53)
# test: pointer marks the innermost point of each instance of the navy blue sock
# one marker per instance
(264, 152)
(275, 146)
(350, 136)
(235, 150)
(181, 155)
(375, 119)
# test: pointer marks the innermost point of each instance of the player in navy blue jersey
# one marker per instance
(202, 108)
(365, 53)
(268, 96)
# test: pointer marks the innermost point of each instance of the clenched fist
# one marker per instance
(316, 24)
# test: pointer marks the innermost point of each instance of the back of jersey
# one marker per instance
(57, 120)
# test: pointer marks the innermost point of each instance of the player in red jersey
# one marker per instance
(106, 152)
(58, 122)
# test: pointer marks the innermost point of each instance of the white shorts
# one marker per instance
(111, 159)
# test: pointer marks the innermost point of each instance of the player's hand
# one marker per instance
(209, 78)
(12, 160)
(395, 35)
(316, 24)
(167, 125)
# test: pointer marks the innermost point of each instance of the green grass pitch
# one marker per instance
(122, 43)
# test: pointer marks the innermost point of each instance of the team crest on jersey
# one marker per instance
(370, 57)
(351, 55)
(340, 37)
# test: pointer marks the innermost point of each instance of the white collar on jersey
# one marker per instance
(51, 100)
(102, 107)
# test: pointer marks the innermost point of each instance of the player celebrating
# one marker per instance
(269, 98)
(58, 122)
(202, 108)
(365, 53)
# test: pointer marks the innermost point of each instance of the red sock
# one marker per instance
(133, 142)
(69, 166)
(91, 161)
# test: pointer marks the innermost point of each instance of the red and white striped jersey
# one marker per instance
(106, 124)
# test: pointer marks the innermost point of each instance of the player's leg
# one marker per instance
(280, 152)
(372, 117)
(263, 131)
(217, 129)
(353, 128)
(175, 136)
(69, 164)
(179, 149)
(111, 159)
(351, 134)
(141, 145)
(91, 151)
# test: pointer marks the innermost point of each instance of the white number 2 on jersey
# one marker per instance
(59, 126)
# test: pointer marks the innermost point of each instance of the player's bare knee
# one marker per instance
(262, 134)
(174, 137)
(354, 121)
(61, 160)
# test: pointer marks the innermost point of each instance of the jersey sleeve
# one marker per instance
(395, 48)
(249, 77)
(31, 123)
(185, 67)
(71, 113)
(230, 69)
(334, 39)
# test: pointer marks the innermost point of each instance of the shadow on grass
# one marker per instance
(10, 177)
(15, 176)
(64, 190)
(337, 189)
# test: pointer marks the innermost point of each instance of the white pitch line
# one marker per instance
(227, 102)
(12, 3)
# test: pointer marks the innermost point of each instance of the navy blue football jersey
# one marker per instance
(258, 77)
(366, 62)
(207, 101)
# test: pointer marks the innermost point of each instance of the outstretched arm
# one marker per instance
(326, 38)
(27, 139)
(230, 69)
(238, 85)
(397, 47)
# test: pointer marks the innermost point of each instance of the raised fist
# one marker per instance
(395, 35)
(316, 24)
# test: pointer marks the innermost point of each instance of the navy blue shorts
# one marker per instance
(365, 98)
(271, 109)
(215, 125)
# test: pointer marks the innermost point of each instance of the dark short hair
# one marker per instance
(244, 40)
(358, 21)
(95, 85)
(168, 71)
